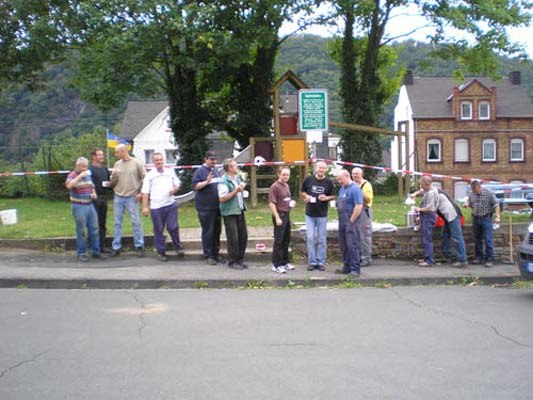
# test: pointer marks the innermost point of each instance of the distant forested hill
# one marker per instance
(28, 117)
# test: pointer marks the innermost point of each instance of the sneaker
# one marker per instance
(211, 261)
(162, 257)
(321, 267)
(477, 261)
(354, 274)
(310, 267)
(83, 258)
(99, 256)
(243, 264)
(180, 252)
(289, 267)
(488, 264)
(460, 264)
(279, 270)
(365, 263)
(425, 264)
(115, 253)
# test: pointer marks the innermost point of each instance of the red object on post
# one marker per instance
(288, 125)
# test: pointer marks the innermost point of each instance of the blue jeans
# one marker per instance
(85, 218)
(128, 204)
(427, 223)
(315, 229)
(452, 231)
(482, 227)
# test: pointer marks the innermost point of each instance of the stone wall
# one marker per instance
(405, 244)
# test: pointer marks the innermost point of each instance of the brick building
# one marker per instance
(479, 128)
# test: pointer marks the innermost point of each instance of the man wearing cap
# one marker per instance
(205, 183)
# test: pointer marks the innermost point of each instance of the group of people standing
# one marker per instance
(223, 197)
(435, 202)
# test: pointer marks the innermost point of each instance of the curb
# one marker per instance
(30, 283)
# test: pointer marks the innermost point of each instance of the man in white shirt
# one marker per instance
(158, 190)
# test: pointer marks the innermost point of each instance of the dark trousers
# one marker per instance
(282, 239)
(349, 242)
(236, 237)
(166, 216)
(427, 224)
(100, 205)
(211, 223)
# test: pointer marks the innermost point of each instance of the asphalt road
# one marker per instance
(397, 343)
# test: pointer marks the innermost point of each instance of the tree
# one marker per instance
(361, 83)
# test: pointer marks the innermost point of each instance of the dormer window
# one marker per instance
(484, 110)
(466, 110)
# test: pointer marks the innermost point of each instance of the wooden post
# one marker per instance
(253, 175)
(277, 136)
(400, 162)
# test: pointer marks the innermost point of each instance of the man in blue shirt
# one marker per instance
(349, 207)
(205, 183)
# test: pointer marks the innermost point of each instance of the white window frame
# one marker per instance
(484, 157)
(515, 141)
(463, 116)
(460, 189)
(170, 160)
(148, 154)
(432, 142)
(455, 152)
(516, 195)
(482, 103)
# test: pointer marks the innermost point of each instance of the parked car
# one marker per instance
(525, 254)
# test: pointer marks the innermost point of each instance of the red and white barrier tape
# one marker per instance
(518, 187)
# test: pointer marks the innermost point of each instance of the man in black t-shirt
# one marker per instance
(317, 191)
(205, 183)
(100, 177)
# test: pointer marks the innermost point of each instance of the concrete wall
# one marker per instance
(405, 244)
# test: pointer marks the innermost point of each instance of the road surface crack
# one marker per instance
(33, 359)
(471, 321)
(142, 321)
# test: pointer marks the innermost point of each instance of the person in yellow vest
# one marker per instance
(365, 227)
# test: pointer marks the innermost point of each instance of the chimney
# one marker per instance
(408, 78)
(515, 77)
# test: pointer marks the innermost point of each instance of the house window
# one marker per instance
(148, 156)
(489, 150)
(459, 190)
(433, 150)
(466, 110)
(461, 150)
(517, 149)
(484, 110)
(170, 157)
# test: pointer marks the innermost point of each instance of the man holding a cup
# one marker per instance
(231, 195)
(280, 203)
(100, 176)
(316, 192)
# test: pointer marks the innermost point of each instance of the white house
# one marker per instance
(146, 123)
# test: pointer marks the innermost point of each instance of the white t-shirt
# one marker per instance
(158, 185)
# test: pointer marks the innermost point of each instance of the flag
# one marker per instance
(114, 140)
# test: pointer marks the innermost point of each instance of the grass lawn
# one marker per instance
(40, 218)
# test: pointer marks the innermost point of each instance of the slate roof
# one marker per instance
(139, 114)
(429, 97)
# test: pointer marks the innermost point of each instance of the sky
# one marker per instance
(403, 21)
